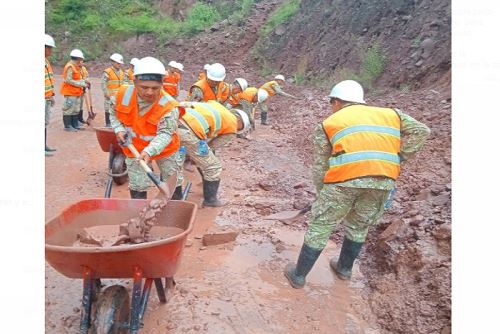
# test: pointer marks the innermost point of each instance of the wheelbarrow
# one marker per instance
(117, 169)
(109, 311)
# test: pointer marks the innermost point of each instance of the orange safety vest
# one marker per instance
(68, 89)
(49, 79)
(249, 94)
(170, 82)
(210, 119)
(268, 87)
(114, 80)
(142, 129)
(365, 142)
(130, 74)
(208, 93)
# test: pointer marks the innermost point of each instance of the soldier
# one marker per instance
(243, 97)
(357, 154)
(129, 75)
(171, 81)
(112, 78)
(85, 76)
(72, 89)
(269, 89)
(146, 115)
(49, 89)
(212, 87)
(212, 122)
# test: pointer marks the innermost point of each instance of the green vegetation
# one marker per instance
(281, 15)
(94, 25)
(372, 66)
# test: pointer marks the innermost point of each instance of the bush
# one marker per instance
(200, 17)
(373, 65)
(281, 15)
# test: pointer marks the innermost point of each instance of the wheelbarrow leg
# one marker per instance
(86, 300)
(145, 297)
(135, 322)
(109, 185)
(160, 291)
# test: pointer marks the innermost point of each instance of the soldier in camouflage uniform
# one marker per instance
(269, 89)
(151, 103)
(49, 89)
(112, 78)
(357, 151)
(72, 88)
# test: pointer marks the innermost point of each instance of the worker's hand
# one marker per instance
(52, 101)
(144, 156)
(121, 137)
(87, 84)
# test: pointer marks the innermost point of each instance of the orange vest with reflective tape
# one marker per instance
(130, 74)
(268, 87)
(365, 142)
(114, 80)
(208, 93)
(49, 79)
(170, 82)
(210, 119)
(68, 89)
(142, 129)
(249, 94)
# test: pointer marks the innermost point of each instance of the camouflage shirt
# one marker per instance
(167, 125)
(413, 136)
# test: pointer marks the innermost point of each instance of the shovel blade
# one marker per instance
(283, 215)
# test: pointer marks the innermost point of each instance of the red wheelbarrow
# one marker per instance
(109, 311)
(117, 169)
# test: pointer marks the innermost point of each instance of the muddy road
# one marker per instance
(238, 287)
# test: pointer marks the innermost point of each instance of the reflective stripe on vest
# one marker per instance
(200, 119)
(49, 81)
(216, 114)
(127, 96)
(347, 158)
(132, 134)
(365, 128)
(114, 80)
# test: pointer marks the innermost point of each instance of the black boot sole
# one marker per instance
(289, 267)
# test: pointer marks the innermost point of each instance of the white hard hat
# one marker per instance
(134, 61)
(242, 82)
(171, 63)
(216, 72)
(149, 65)
(117, 58)
(244, 117)
(279, 77)
(262, 95)
(206, 67)
(349, 91)
(77, 53)
(180, 67)
(49, 41)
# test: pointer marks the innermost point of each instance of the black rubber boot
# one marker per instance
(263, 118)
(48, 149)
(67, 124)
(74, 122)
(177, 193)
(296, 274)
(210, 189)
(349, 252)
(106, 117)
(138, 194)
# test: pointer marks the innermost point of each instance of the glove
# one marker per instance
(122, 138)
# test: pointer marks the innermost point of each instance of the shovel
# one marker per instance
(89, 107)
(288, 215)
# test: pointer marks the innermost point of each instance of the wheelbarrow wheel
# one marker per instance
(112, 311)
(119, 168)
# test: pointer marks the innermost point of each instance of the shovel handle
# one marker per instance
(149, 172)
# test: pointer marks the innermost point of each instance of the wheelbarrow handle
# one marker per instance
(163, 188)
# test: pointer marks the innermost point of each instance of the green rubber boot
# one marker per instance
(349, 252)
(296, 274)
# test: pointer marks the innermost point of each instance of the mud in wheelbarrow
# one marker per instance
(110, 311)
(107, 141)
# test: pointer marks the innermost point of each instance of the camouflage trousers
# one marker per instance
(356, 208)
(209, 164)
(107, 104)
(47, 112)
(72, 105)
(139, 180)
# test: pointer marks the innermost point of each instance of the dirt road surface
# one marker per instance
(239, 287)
